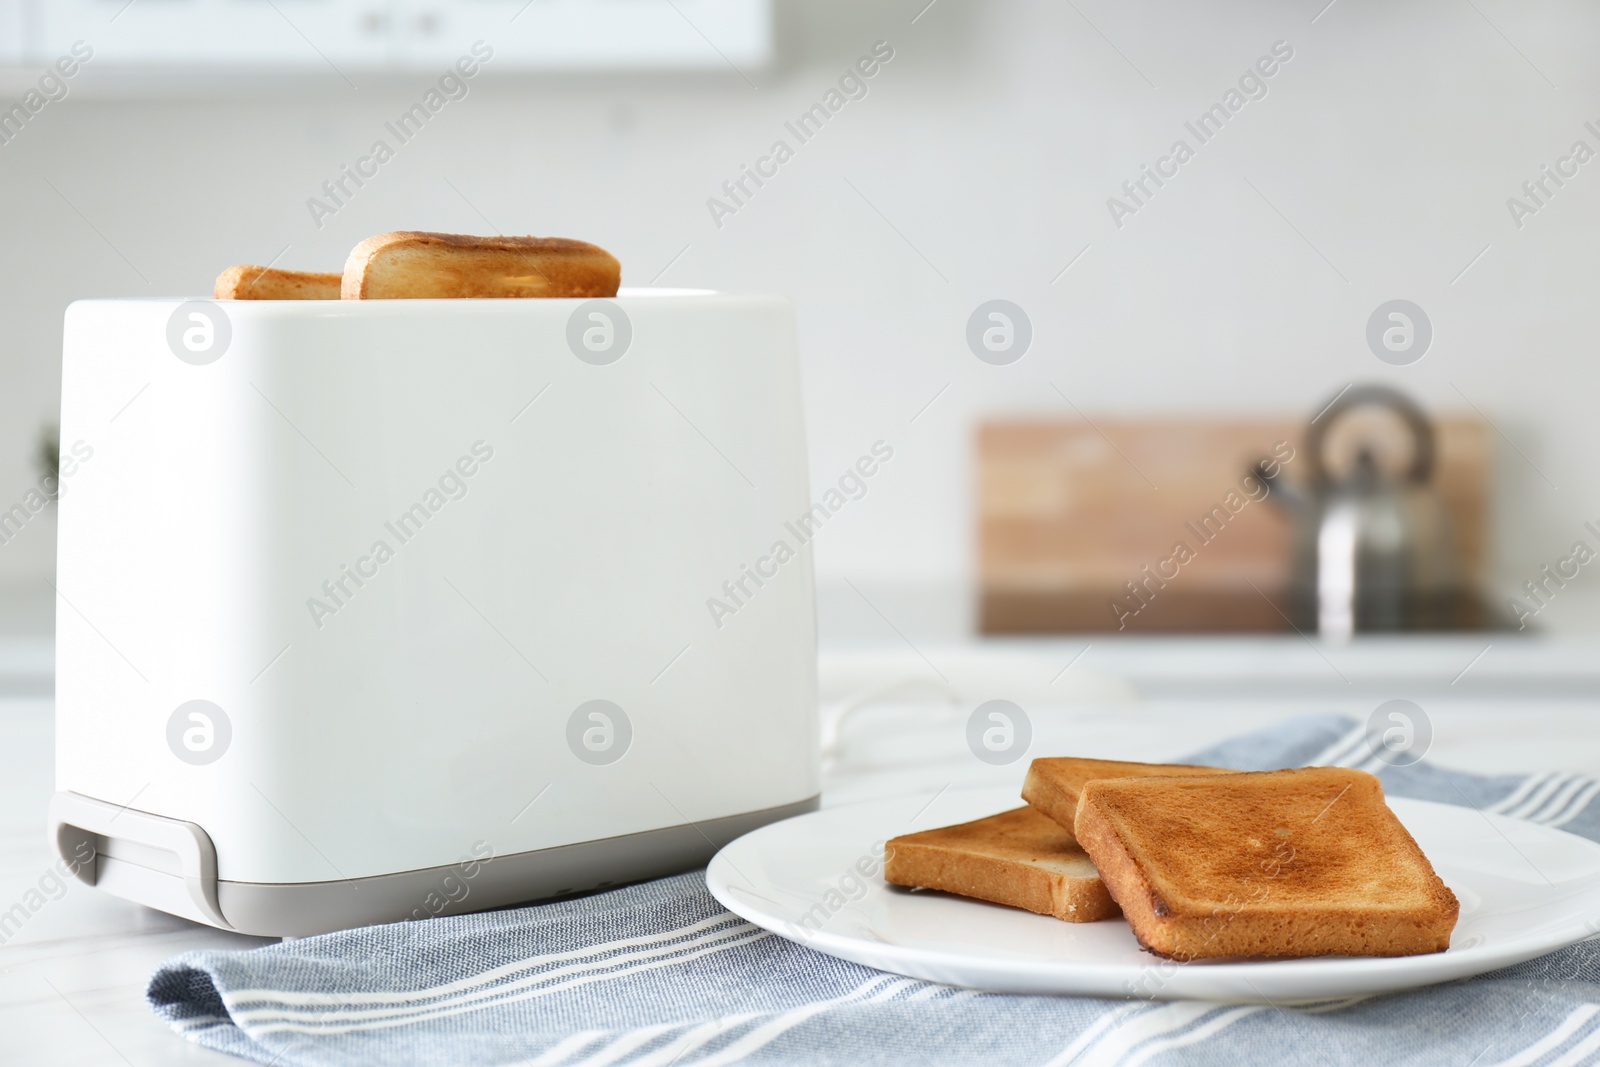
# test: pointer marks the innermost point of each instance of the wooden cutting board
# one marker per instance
(1070, 513)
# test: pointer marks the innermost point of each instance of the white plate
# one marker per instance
(1524, 889)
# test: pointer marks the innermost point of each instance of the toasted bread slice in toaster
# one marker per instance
(411, 265)
(246, 282)
(1019, 857)
(1307, 862)
(1054, 782)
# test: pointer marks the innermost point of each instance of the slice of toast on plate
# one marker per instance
(246, 282)
(1020, 858)
(1307, 862)
(413, 265)
(1054, 782)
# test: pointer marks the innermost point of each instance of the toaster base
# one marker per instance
(170, 865)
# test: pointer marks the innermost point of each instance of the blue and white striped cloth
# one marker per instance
(658, 975)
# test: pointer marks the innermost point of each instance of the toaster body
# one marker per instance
(393, 609)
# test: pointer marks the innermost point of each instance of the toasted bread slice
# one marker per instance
(408, 265)
(245, 282)
(1018, 857)
(1307, 862)
(1053, 783)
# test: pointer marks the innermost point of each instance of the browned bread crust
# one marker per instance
(1054, 782)
(412, 265)
(1307, 862)
(1020, 858)
(246, 282)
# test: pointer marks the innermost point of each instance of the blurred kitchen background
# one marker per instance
(1174, 338)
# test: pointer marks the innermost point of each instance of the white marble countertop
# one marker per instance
(72, 975)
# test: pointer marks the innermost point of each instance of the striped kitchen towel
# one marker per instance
(659, 975)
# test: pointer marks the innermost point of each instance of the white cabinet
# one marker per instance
(357, 35)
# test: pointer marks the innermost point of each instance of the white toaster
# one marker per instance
(373, 610)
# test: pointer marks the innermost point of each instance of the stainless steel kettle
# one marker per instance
(1371, 552)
